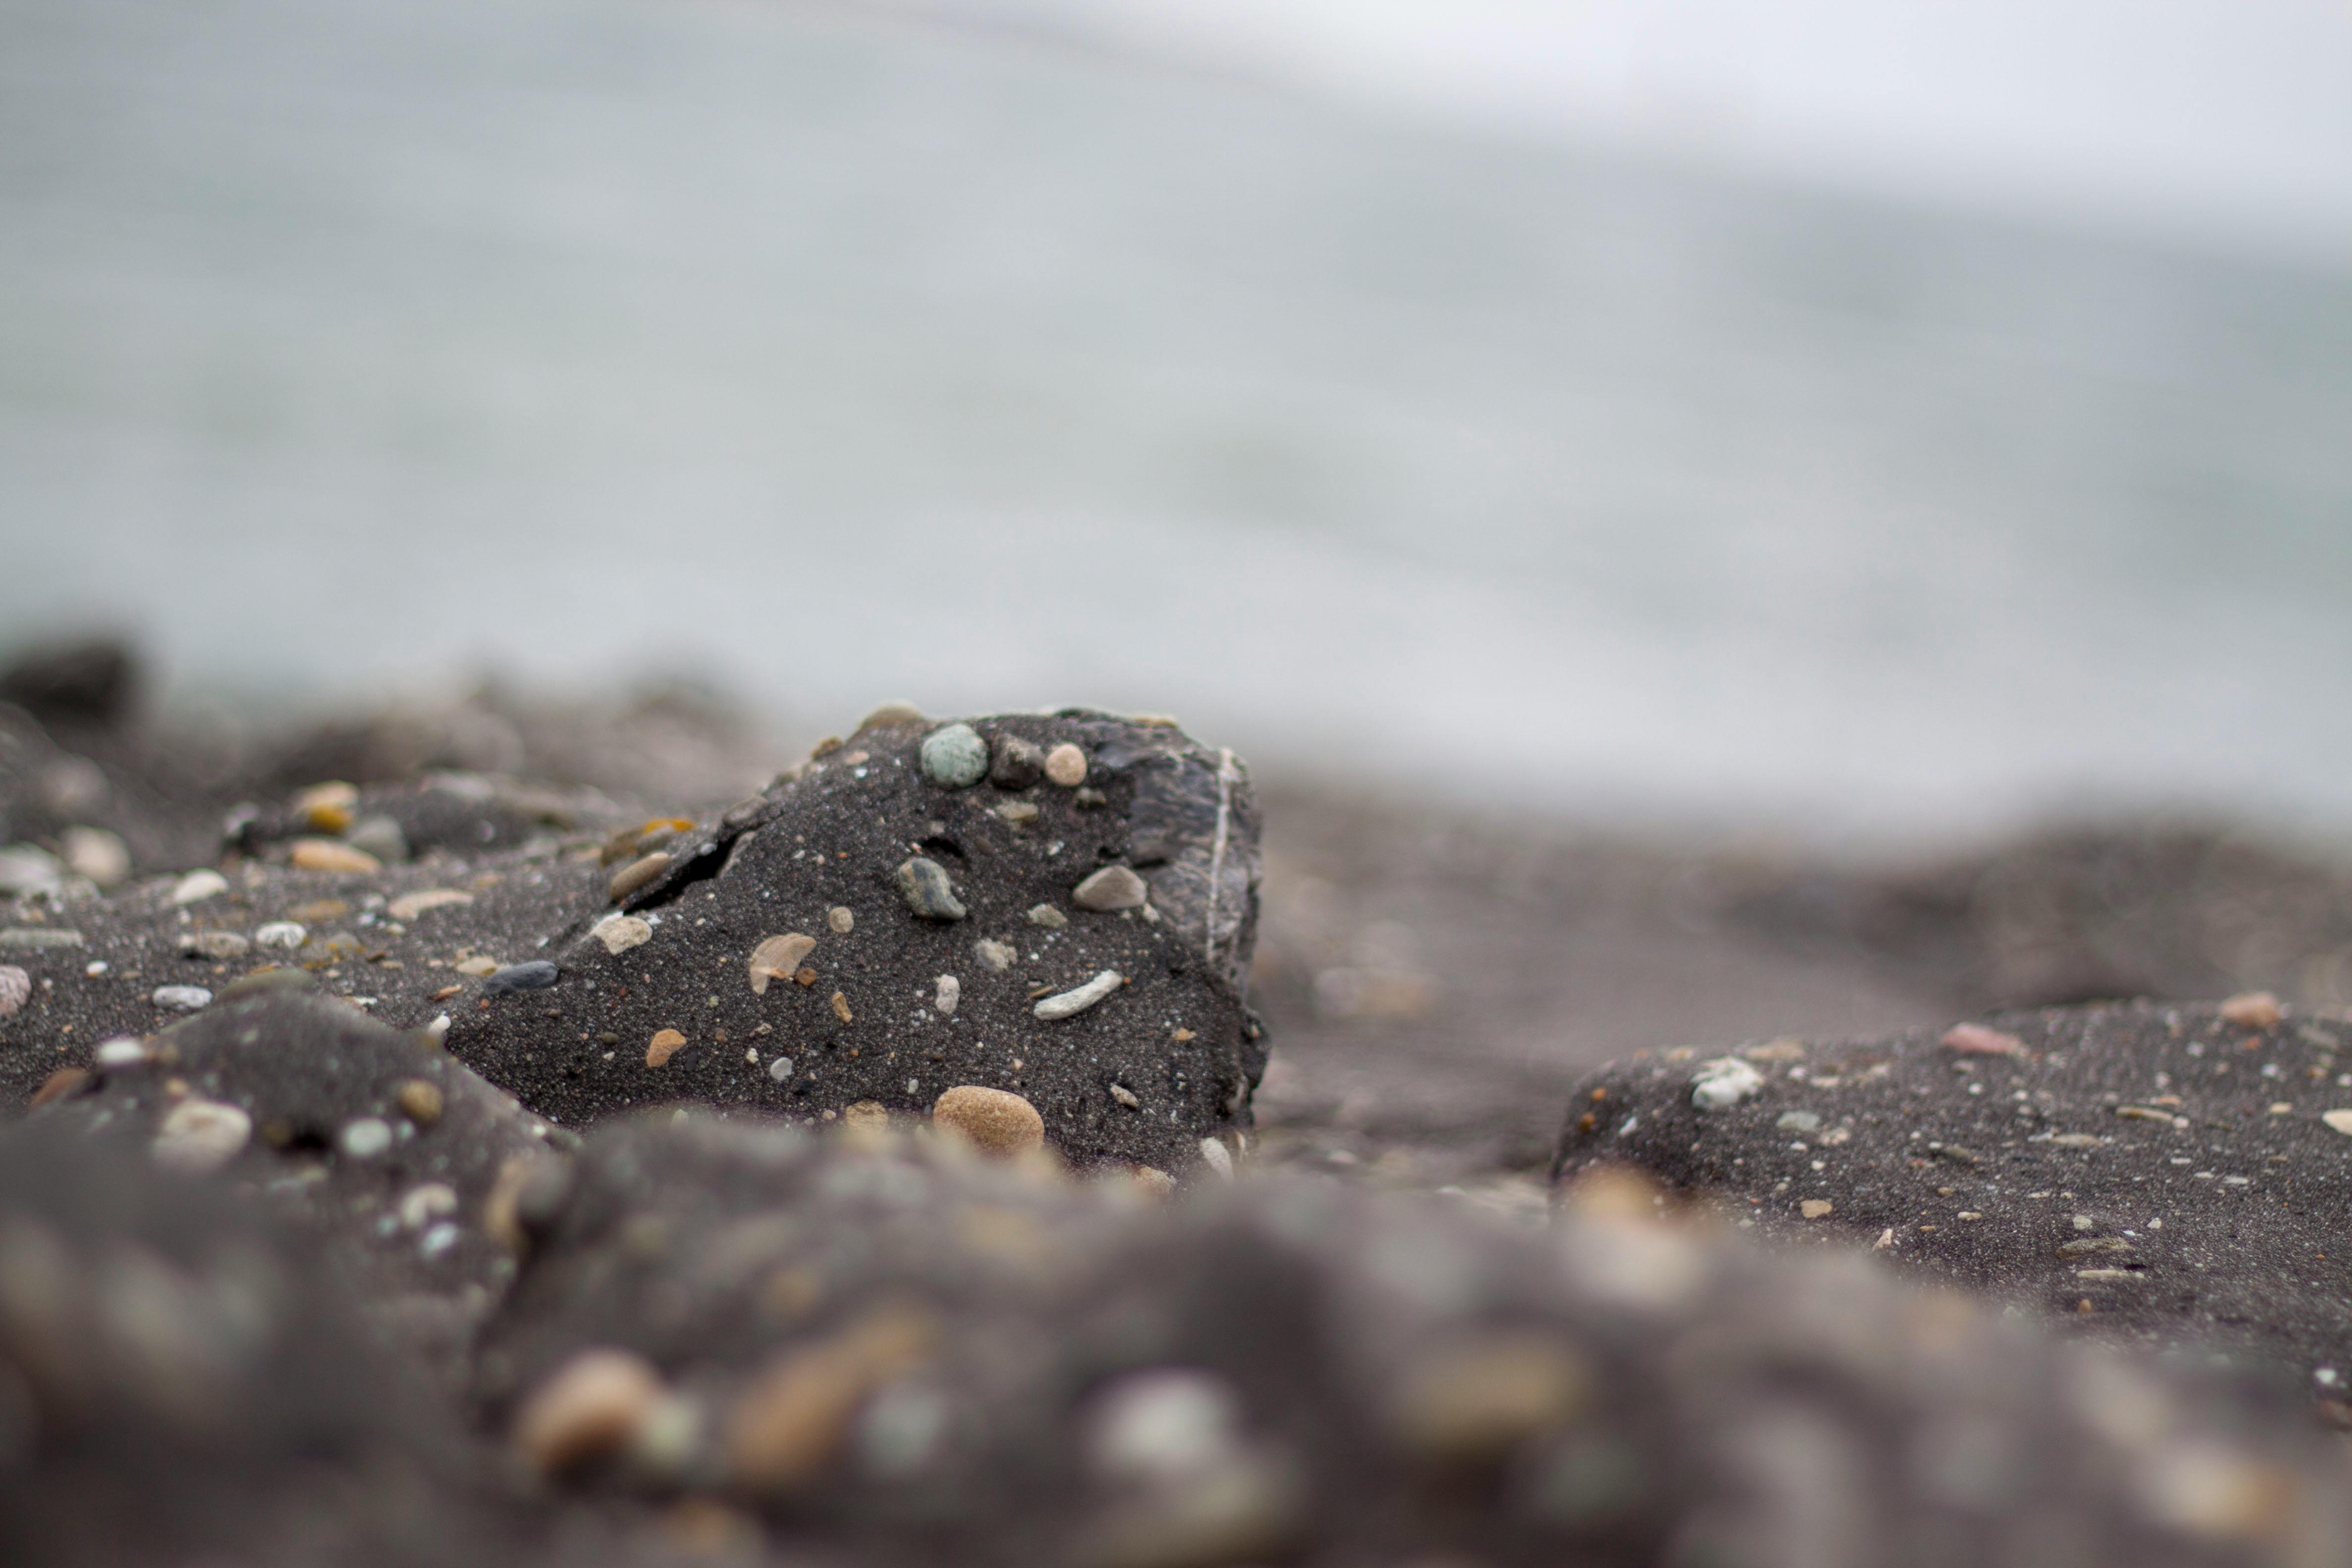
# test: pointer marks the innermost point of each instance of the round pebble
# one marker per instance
(327, 855)
(200, 1136)
(123, 1052)
(15, 989)
(365, 1138)
(181, 998)
(954, 756)
(923, 883)
(95, 853)
(781, 1068)
(891, 716)
(665, 1045)
(536, 975)
(593, 1406)
(197, 886)
(420, 1102)
(779, 958)
(1066, 764)
(281, 934)
(996, 1121)
(840, 919)
(635, 875)
(380, 836)
(1112, 888)
(621, 933)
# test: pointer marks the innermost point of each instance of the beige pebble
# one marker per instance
(56, 1086)
(1071, 1002)
(2340, 1121)
(326, 855)
(197, 886)
(1976, 1040)
(408, 906)
(595, 1405)
(1016, 813)
(1815, 1209)
(95, 853)
(996, 1121)
(478, 966)
(2252, 1010)
(635, 875)
(779, 958)
(894, 715)
(790, 1422)
(420, 1100)
(802, 976)
(841, 1008)
(327, 808)
(1154, 1181)
(997, 956)
(621, 933)
(200, 1136)
(665, 1045)
(1066, 764)
(1125, 1096)
(840, 919)
(1112, 888)
(1478, 1399)
(1049, 917)
(866, 1114)
(947, 994)
(15, 989)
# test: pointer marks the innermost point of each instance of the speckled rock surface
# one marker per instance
(2147, 1174)
(881, 1349)
(179, 1386)
(372, 1141)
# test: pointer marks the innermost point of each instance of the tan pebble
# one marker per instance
(1775, 1052)
(1112, 888)
(1049, 917)
(841, 1008)
(1976, 1040)
(997, 955)
(319, 911)
(1125, 1096)
(501, 1217)
(420, 1100)
(866, 1115)
(1066, 764)
(665, 1045)
(326, 855)
(1815, 1209)
(789, 1423)
(595, 1405)
(57, 1085)
(804, 976)
(840, 919)
(1180, 1035)
(892, 716)
(2252, 1010)
(327, 808)
(446, 991)
(1478, 1399)
(201, 1136)
(621, 933)
(95, 854)
(779, 958)
(705, 1529)
(1158, 1183)
(996, 1121)
(2339, 1120)
(478, 966)
(825, 747)
(408, 906)
(635, 875)
(15, 989)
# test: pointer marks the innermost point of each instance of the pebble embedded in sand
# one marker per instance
(1112, 888)
(15, 989)
(216, 945)
(945, 992)
(408, 906)
(1066, 764)
(595, 1405)
(95, 853)
(365, 1138)
(1815, 1209)
(197, 886)
(283, 934)
(2340, 1121)
(841, 1008)
(326, 807)
(923, 883)
(1477, 1399)
(1976, 1040)
(1069, 1003)
(635, 875)
(954, 756)
(339, 859)
(199, 1136)
(181, 998)
(621, 933)
(1722, 1083)
(1018, 763)
(536, 975)
(420, 1102)
(1217, 1157)
(480, 966)
(665, 1045)
(891, 716)
(778, 958)
(2252, 1010)
(840, 919)
(1049, 917)
(997, 956)
(996, 1121)
(1125, 1097)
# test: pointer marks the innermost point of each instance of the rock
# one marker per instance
(840, 919)
(596, 1405)
(621, 933)
(1047, 916)
(779, 958)
(1112, 888)
(923, 883)
(197, 886)
(946, 992)
(15, 989)
(481, 967)
(95, 853)
(412, 905)
(327, 855)
(2249, 1010)
(286, 934)
(421, 1100)
(539, 974)
(1070, 1004)
(181, 998)
(995, 956)
(954, 756)
(39, 938)
(2156, 1124)
(218, 945)
(636, 874)
(1017, 763)
(892, 716)
(665, 1045)
(379, 838)
(1722, 1083)
(28, 868)
(1975, 1039)
(1066, 764)
(199, 1136)
(90, 684)
(996, 1121)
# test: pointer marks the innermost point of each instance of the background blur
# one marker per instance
(1865, 418)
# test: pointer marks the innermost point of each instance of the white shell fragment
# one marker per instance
(1720, 1084)
(778, 958)
(1071, 1002)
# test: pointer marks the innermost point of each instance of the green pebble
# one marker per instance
(954, 756)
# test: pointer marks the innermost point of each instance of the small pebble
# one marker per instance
(215, 945)
(1112, 888)
(593, 1406)
(621, 933)
(635, 875)
(923, 883)
(198, 886)
(1154, 1181)
(408, 906)
(327, 855)
(1066, 765)
(954, 756)
(1016, 813)
(365, 1138)
(1125, 1097)
(996, 956)
(380, 836)
(2252, 1010)
(1815, 1209)
(1069, 1003)
(56, 1086)
(1018, 763)
(1722, 1083)
(478, 966)
(840, 919)
(1049, 917)
(95, 853)
(15, 989)
(420, 1100)
(129, 1053)
(1797, 1121)
(326, 807)
(181, 998)
(891, 716)
(1087, 797)
(536, 975)
(665, 1044)
(2340, 1121)
(427, 1204)
(867, 1116)
(1217, 1157)
(781, 1068)
(39, 939)
(281, 934)
(199, 1136)
(1476, 1401)
(792, 1419)
(779, 958)
(1976, 1040)
(947, 992)
(1160, 1427)
(841, 1008)
(996, 1121)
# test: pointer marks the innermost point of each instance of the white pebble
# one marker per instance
(950, 992)
(120, 1053)
(1219, 1158)
(198, 886)
(200, 1136)
(1071, 1002)
(427, 1204)
(621, 933)
(781, 1068)
(367, 1137)
(181, 998)
(1722, 1083)
(281, 933)
(439, 1027)
(997, 955)
(438, 1240)
(95, 967)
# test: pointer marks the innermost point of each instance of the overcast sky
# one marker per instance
(2232, 117)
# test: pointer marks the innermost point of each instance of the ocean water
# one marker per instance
(352, 347)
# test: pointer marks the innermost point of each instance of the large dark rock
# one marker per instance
(884, 1348)
(91, 684)
(2149, 1174)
